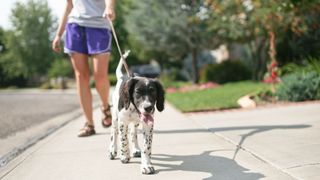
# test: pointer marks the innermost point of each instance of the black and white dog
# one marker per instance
(134, 102)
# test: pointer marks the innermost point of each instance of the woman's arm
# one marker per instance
(61, 27)
(109, 11)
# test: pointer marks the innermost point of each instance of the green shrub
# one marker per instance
(172, 78)
(60, 68)
(113, 79)
(310, 64)
(299, 86)
(46, 85)
(168, 82)
(227, 71)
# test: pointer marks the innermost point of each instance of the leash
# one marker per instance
(119, 49)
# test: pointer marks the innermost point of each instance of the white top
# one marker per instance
(88, 13)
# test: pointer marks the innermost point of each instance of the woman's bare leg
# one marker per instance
(82, 73)
(100, 66)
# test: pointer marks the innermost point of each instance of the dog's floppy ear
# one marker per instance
(126, 93)
(160, 96)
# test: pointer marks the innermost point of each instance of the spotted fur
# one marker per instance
(133, 96)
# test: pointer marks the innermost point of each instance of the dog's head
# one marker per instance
(144, 93)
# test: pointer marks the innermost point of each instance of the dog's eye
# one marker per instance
(139, 91)
(152, 90)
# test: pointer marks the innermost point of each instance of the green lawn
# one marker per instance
(222, 97)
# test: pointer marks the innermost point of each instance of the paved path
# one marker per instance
(288, 137)
(277, 143)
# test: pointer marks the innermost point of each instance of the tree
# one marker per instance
(175, 28)
(10, 70)
(298, 46)
(2, 43)
(29, 46)
(122, 34)
(258, 24)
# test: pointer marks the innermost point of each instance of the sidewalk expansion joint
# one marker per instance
(303, 165)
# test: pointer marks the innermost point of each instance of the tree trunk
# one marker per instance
(195, 66)
(272, 46)
(261, 53)
(257, 50)
(272, 53)
(253, 54)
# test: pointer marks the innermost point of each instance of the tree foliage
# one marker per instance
(169, 31)
(260, 24)
(175, 28)
(28, 45)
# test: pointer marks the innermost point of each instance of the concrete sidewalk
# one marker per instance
(277, 143)
(287, 137)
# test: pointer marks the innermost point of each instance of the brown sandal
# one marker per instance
(87, 130)
(106, 117)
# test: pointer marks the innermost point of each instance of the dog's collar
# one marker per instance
(134, 105)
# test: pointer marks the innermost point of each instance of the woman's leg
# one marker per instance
(82, 73)
(100, 66)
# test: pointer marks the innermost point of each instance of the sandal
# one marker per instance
(87, 130)
(106, 117)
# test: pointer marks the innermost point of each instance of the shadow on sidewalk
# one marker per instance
(254, 130)
(218, 167)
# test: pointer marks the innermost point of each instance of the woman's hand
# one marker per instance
(56, 44)
(110, 13)
(61, 28)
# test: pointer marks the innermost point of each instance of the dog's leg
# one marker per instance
(146, 166)
(136, 152)
(125, 152)
(114, 139)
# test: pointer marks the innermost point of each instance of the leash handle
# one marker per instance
(118, 46)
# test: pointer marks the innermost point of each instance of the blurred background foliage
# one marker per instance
(169, 32)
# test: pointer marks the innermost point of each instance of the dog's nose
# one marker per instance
(148, 109)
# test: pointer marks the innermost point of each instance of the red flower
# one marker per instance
(274, 74)
(171, 90)
(273, 64)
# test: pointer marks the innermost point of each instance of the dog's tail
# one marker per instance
(119, 72)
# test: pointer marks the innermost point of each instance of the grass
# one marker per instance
(222, 97)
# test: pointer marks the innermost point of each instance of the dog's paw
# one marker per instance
(112, 155)
(136, 153)
(124, 159)
(147, 169)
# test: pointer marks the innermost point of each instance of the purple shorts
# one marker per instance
(87, 40)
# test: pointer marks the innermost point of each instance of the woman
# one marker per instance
(88, 35)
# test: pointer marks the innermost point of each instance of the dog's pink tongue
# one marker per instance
(148, 119)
